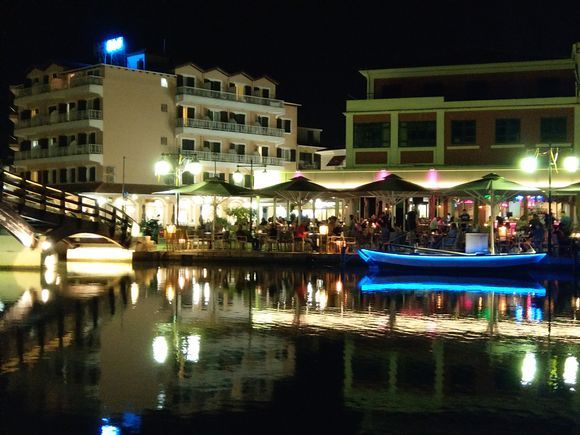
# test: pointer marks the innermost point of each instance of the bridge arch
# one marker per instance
(35, 209)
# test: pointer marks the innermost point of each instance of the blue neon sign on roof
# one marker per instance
(114, 45)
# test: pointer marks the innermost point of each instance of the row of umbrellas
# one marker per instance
(392, 189)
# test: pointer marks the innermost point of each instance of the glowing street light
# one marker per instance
(529, 164)
(182, 164)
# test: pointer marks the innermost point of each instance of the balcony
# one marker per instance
(187, 94)
(59, 88)
(60, 121)
(308, 165)
(61, 154)
(238, 159)
(229, 129)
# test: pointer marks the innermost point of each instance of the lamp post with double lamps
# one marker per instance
(550, 152)
(177, 164)
(239, 178)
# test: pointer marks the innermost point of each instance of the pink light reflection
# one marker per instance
(432, 178)
(381, 175)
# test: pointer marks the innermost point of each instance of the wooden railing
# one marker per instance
(50, 208)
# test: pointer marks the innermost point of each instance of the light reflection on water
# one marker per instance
(198, 340)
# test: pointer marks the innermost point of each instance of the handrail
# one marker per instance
(433, 250)
(229, 126)
(57, 118)
(58, 151)
(234, 158)
(26, 195)
(229, 96)
(61, 84)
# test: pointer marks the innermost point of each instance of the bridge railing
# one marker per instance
(37, 201)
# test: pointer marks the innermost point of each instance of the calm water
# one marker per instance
(107, 349)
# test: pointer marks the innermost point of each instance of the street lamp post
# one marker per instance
(530, 164)
(177, 164)
(239, 177)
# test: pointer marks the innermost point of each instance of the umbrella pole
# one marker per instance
(214, 218)
(491, 233)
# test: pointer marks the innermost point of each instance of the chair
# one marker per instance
(285, 240)
(298, 242)
(242, 241)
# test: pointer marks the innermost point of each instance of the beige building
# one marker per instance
(101, 129)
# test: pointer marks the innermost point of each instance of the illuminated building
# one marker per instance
(101, 128)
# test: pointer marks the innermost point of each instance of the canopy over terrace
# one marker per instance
(213, 187)
(392, 190)
(491, 189)
(299, 190)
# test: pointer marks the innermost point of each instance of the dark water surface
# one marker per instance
(104, 349)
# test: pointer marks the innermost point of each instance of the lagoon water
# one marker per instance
(105, 349)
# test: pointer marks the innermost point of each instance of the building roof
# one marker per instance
(336, 161)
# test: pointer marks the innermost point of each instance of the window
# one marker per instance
(163, 140)
(240, 148)
(214, 85)
(62, 175)
(286, 154)
(372, 135)
(214, 147)
(264, 151)
(553, 130)
(463, 132)
(82, 173)
(264, 121)
(72, 175)
(240, 118)
(284, 124)
(163, 82)
(164, 107)
(188, 144)
(417, 134)
(507, 131)
(92, 173)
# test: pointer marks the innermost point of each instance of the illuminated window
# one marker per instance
(163, 82)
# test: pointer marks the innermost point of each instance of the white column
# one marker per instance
(394, 157)
(348, 138)
(439, 156)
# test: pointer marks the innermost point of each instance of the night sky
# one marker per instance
(314, 49)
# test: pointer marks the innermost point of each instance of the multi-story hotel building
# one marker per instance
(443, 125)
(100, 129)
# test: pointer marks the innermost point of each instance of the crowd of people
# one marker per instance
(381, 232)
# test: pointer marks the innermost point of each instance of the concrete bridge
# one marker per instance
(33, 212)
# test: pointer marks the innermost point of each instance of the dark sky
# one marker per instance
(314, 49)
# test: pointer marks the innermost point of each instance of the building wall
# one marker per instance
(134, 124)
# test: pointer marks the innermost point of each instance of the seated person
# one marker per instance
(301, 232)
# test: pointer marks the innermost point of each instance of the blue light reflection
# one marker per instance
(432, 283)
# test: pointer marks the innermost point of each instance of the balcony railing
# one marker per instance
(56, 151)
(58, 118)
(308, 165)
(229, 126)
(57, 85)
(229, 96)
(257, 160)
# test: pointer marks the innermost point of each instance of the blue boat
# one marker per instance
(397, 283)
(432, 258)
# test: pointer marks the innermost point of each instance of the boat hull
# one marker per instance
(449, 261)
